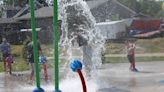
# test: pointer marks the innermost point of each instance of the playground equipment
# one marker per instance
(55, 21)
(76, 66)
(56, 55)
(87, 23)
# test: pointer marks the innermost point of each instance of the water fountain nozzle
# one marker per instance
(75, 65)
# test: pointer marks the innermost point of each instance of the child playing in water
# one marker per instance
(7, 58)
(131, 55)
(31, 56)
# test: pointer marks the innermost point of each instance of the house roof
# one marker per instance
(44, 12)
(94, 3)
(125, 7)
(108, 9)
(97, 3)
(22, 11)
(141, 15)
(8, 20)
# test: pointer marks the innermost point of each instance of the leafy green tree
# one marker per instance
(149, 7)
(7, 2)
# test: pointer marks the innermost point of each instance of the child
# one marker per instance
(30, 56)
(131, 55)
(7, 59)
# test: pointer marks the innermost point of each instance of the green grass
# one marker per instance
(152, 45)
(155, 45)
(18, 65)
(1, 67)
(114, 48)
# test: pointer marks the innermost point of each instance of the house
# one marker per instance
(44, 20)
(109, 10)
(9, 27)
(17, 17)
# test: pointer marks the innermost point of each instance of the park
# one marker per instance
(81, 45)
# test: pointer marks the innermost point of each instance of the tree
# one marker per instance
(7, 2)
(14, 2)
(149, 7)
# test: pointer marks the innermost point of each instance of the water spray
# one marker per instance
(76, 66)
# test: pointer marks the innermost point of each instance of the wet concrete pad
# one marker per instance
(113, 89)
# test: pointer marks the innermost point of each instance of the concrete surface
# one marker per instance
(109, 78)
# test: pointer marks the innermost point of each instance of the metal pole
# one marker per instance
(35, 45)
(56, 56)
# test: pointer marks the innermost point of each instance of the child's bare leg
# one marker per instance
(45, 72)
(131, 66)
(4, 65)
(31, 75)
(32, 71)
(133, 63)
(10, 68)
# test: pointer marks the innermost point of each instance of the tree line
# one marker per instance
(149, 7)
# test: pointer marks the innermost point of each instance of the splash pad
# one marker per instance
(85, 30)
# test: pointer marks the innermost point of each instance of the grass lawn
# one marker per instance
(18, 65)
(155, 45)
